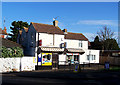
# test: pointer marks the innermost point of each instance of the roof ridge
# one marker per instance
(11, 41)
(43, 24)
(46, 24)
(74, 33)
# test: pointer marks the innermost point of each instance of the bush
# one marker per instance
(17, 52)
(11, 52)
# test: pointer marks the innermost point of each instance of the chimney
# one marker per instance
(55, 23)
(5, 29)
(65, 31)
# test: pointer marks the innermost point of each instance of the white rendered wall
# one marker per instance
(83, 58)
(75, 44)
(62, 59)
(10, 64)
(47, 39)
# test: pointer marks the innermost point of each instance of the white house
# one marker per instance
(50, 46)
(79, 41)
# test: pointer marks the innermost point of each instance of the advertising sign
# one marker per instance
(34, 60)
(39, 58)
(46, 59)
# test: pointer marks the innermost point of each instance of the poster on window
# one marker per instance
(46, 59)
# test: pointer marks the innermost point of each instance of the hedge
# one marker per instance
(11, 52)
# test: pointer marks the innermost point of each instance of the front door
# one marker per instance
(55, 61)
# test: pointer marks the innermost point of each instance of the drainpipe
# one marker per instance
(53, 39)
(37, 50)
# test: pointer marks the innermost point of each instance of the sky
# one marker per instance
(79, 17)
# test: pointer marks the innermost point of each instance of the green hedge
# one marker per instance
(11, 52)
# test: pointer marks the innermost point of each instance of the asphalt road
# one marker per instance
(64, 78)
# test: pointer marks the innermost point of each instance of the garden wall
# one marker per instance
(17, 64)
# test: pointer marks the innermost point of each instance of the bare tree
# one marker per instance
(105, 33)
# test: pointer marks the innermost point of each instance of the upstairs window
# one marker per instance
(80, 44)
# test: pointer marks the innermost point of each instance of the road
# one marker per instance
(64, 78)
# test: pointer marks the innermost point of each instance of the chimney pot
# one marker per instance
(65, 31)
(55, 23)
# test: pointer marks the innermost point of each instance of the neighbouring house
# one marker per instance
(10, 44)
(51, 47)
(3, 33)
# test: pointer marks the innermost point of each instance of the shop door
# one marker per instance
(55, 61)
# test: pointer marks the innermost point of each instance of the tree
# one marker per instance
(16, 26)
(111, 44)
(97, 43)
(105, 34)
(107, 39)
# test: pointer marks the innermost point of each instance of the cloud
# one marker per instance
(99, 22)
(91, 36)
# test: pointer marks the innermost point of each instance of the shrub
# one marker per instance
(11, 52)
(17, 52)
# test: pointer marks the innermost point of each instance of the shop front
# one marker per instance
(48, 58)
(72, 58)
(73, 55)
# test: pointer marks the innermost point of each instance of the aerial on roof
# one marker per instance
(75, 36)
(45, 28)
(9, 44)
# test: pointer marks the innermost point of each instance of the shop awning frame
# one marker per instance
(51, 49)
(72, 50)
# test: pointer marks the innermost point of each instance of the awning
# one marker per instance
(51, 49)
(71, 50)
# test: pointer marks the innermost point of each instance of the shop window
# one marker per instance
(76, 57)
(70, 59)
(115, 54)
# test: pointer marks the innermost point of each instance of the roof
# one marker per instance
(2, 31)
(76, 36)
(45, 28)
(9, 44)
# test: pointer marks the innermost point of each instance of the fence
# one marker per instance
(84, 66)
(111, 60)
